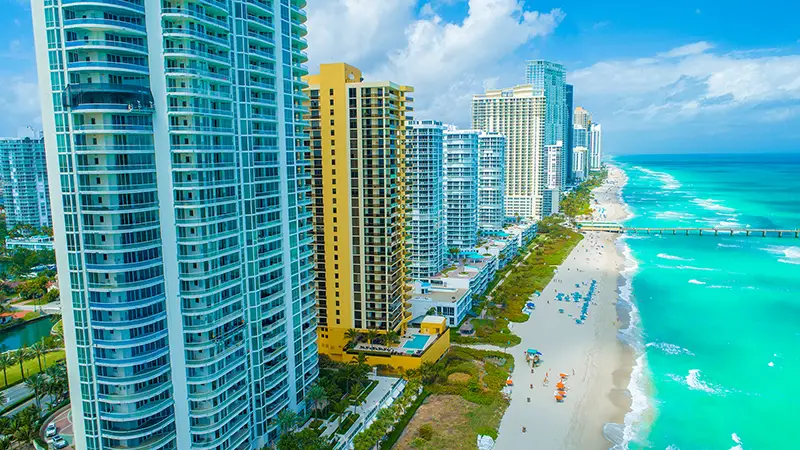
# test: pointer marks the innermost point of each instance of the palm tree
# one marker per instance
(340, 408)
(317, 396)
(287, 421)
(37, 350)
(36, 383)
(392, 337)
(21, 355)
(5, 443)
(6, 361)
(2, 398)
(372, 335)
(352, 335)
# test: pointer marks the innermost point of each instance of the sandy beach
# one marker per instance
(597, 393)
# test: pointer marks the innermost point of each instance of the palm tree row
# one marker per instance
(38, 350)
(20, 431)
(371, 335)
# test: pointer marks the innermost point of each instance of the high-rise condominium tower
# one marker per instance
(175, 143)
(461, 188)
(358, 159)
(581, 117)
(26, 190)
(491, 181)
(551, 78)
(568, 141)
(595, 146)
(517, 113)
(425, 200)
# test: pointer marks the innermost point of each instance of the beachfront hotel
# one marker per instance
(176, 151)
(568, 139)
(581, 117)
(580, 163)
(461, 188)
(426, 248)
(358, 147)
(26, 191)
(551, 79)
(517, 113)
(491, 181)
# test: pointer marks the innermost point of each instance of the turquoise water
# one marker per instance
(25, 335)
(718, 317)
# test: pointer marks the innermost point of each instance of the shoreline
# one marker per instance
(602, 363)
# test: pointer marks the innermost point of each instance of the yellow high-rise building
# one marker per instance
(357, 145)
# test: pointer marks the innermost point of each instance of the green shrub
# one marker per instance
(426, 432)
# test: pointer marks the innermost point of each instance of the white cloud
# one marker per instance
(446, 61)
(690, 82)
(19, 105)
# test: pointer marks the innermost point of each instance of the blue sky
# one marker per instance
(660, 76)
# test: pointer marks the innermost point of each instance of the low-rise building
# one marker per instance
(505, 245)
(452, 303)
(35, 243)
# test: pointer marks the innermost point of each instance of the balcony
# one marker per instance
(88, 95)
(91, 23)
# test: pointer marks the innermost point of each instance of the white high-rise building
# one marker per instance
(518, 113)
(595, 146)
(177, 164)
(461, 188)
(425, 176)
(580, 136)
(491, 181)
(26, 191)
(554, 161)
(580, 160)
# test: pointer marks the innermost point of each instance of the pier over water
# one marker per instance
(612, 227)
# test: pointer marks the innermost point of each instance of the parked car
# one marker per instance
(59, 442)
(50, 431)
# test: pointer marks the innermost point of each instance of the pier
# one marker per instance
(691, 231)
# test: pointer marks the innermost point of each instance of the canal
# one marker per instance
(27, 334)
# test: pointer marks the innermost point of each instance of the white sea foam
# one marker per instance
(727, 224)
(670, 349)
(694, 382)
(696, 282)
(711, 204)
(705, 269)
(672, 215)
(718, 286)
(738, 442)
(672, 257)
(669, 182)
(729, 246)
(789, 255)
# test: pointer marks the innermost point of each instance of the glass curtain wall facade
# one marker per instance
(425, 199)
(175, 142)
(491, 181)
(461, 188)
(551, 78)
(26, 190)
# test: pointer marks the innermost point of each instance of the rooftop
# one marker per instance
(441, 294)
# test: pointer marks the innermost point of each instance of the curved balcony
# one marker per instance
(103, 287)
(200, 129)
(206, 411)
(199, 92)
(97, 24)
(214, 323)
(147, 410)
(236, 364)
(124, 324)
(299, 27)
(99, 128)
(119, 228)
(133, 397)
(192, 35)
(191, 111)
(192, 72)
(189, 13)
(194, 53)
(100, 95)
(156, 442)
(103, 44)
(122, 266)
(133, 361)
(139, 431)
(237, 434)
(105, 4)
(125, 305)
(137, 378)
(264, 39)
(203, 396)
(123, 343)
(264, 6)
(114, 168)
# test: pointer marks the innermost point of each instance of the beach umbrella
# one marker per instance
(560, 386)
(563, 375)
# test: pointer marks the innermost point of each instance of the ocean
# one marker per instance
(715, 319)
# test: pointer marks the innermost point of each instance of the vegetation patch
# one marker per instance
(347, 422)
(458, 377)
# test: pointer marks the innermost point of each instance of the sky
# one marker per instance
(661, 77)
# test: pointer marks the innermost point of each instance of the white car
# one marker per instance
(59, 442)
(50, 431)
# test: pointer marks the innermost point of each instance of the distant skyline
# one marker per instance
(683, 76)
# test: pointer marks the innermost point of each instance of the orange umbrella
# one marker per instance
(560, 385)
(562, 375)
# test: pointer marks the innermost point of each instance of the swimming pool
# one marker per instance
(417, 342)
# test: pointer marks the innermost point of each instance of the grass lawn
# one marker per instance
(31, 366)
(467, 397)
